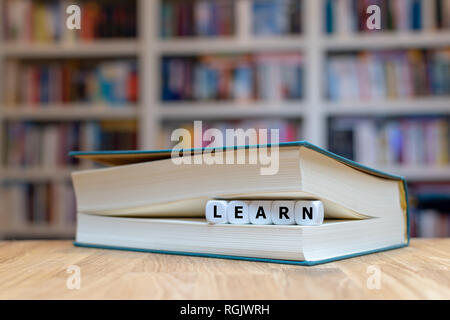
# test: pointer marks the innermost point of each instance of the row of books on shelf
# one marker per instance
(350, 16)
(37, 204)
(45, 20)
(29, 21)
(287, 131)
(46, 145)
(388, 74)
(113, 82)
(244, 77)
(196, 18)
(217, 18)
(415, 141)
(430, 223)
(430, 214)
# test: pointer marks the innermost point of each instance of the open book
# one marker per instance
(144, 201)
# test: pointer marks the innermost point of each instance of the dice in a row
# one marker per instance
(280, 212)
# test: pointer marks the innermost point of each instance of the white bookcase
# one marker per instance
(314, 109)
(150, 112)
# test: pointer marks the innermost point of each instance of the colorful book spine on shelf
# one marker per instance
(388, 74)
(242, 77)
(276, 17)
(112, 82)
(350, 16)
(409, 142)
(46, 145)
(205, 18)
(287, 130)
(45, 21)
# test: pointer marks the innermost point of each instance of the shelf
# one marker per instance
(231, 110)
(418, 106)
(387, 40)
(98, 48)
(69, 112)
(37, 230)
(35, 174)
(208, 45)
(422, 173)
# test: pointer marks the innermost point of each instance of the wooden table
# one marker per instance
(38, 270)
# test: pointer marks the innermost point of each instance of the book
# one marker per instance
(443, 14)
(143, 201)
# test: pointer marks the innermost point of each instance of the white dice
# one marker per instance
(309, 213)
(237, 212)
(283, 212)
(260, 212)
(263, 212)
(216, 211)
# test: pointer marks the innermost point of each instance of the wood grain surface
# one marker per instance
(38, 270)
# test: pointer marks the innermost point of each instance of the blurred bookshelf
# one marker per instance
(244, 63)
(61, 90)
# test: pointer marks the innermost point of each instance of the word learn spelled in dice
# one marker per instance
(280, 212)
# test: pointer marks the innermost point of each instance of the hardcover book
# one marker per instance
(145, 201)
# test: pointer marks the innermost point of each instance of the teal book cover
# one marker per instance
(133, 156)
